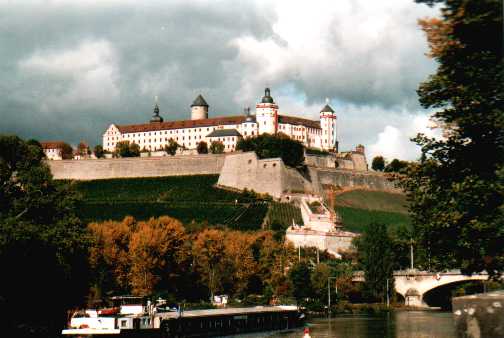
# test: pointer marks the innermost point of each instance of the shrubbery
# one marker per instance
(269, 146)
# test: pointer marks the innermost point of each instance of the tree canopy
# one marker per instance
(456, 191)
(378, 163)
(43, 246)
(376, 260)
(217, 147)
(127, 149)
(279, 145)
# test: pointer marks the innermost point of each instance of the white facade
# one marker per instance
(52, 149)
(188, 133)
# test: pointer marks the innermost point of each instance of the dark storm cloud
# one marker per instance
(183, 47)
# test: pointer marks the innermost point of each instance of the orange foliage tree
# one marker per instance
(156, 249)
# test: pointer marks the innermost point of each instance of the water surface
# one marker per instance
(400, 324)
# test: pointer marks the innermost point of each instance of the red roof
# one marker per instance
(298, 121)
(216, 121)
(52, 144)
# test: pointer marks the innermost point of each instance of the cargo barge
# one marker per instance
(130, 320)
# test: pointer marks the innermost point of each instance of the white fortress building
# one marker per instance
(156, 134)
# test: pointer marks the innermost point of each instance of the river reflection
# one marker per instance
(400, 324)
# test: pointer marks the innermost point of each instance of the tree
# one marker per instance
(43, 245)
(171, 147)
(376, 260)
(217, 147)
(83, 149)
(209, 252)
(456, 191)
(202, 148)
(279, 145)
(127, 149)
(98, 151)
(378, 163)
(156, 250)
(301, 281)
(66, 151)
(134, 150)
(396, 166)
(319, 279)
(109, 255)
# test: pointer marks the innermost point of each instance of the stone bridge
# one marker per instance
(413, 284)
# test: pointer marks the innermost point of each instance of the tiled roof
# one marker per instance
(216, 121)
(52, 144)
(298, 121)
(224, 132)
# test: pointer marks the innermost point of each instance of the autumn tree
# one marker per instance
(208, 251)
(109, 255)
(156, 250)
(456, 191)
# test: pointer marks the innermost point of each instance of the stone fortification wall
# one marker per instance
(246, 171)
(351, 179)
(137, 167)
(351, 161)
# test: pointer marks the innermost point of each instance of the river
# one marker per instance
(399, 324)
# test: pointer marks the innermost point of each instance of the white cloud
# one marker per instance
(394, 140)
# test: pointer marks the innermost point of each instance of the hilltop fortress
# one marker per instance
(155, 135)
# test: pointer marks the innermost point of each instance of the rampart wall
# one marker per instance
(351, 179)
(137, 167)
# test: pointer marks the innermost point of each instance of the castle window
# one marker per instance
(274, 164)
(249, 161)
(264, 166)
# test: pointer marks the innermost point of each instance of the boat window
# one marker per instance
(124, 323)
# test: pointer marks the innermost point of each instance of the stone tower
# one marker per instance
(267, 114)
(199, 109)
(328, 124)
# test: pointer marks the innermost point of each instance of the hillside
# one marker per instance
(192, 199)
(358, 208)
(197, 203)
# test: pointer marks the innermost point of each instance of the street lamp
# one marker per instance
(329, 293)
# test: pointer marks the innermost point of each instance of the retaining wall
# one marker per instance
(137, 167)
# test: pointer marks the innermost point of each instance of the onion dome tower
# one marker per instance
(267, 114)
(156, 118)
(199, 108)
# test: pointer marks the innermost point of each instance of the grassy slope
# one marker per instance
(358, 208)
(187, 198)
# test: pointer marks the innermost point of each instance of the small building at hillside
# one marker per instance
(53, 149)
(322, 228)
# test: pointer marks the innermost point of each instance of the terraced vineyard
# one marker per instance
(284, 213)
(191, 199)
(359, 208)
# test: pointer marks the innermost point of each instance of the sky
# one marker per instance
(71, 68)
